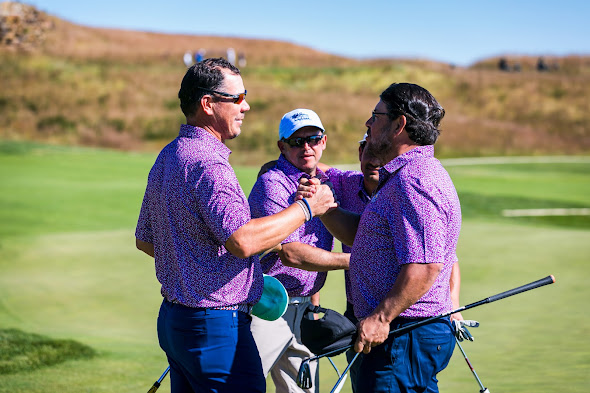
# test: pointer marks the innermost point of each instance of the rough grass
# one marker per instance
(22, 352)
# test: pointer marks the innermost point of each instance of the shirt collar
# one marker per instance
(188, 131)
(401, 160)
(363, 194)
(294, 173)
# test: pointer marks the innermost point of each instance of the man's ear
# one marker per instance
(206, 104)
(281, 146)
(399, 124)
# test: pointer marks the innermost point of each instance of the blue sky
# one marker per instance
(456, 32)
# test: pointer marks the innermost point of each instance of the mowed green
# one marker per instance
(70, 270)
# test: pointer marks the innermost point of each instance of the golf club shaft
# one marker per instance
(156, 384)
(511, 292)
(398, 332)
(335, 351)
(481, 387)
(336, 387)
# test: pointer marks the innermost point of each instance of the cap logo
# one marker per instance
(300, 116)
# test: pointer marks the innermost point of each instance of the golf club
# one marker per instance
(156, 384)
(482, 389)
(304, 373)
(342, 378)
(398, 332)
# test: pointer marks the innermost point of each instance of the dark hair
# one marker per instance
(423, 113)
(207, 74)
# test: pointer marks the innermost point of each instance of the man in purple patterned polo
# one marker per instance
(301, 143)
(403, 247)
(195, 221)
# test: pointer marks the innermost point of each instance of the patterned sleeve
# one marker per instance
(335, 175)
(420, 227)
(341, 180)
(143, 231)
(268, 196)
(220, 201)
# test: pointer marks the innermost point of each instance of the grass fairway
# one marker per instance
(70, 271)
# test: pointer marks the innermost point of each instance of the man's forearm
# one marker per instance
(315, 299)
(306, 257)
(261, 234)
(342, 224)
(413, 282)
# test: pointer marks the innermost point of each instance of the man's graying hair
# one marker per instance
(423, 113)
(207, 74)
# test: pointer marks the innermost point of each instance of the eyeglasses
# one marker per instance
(238, 98)
(374, 114)
(300, 141)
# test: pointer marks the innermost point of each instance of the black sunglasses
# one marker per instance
(374, 114)
(238, 98)
(300, 141)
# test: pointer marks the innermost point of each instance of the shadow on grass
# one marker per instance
(485, 206)
(21, 351)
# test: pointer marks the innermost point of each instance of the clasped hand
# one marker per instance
(320, 196)
(308, 187)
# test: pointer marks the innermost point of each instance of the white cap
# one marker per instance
(297, 119)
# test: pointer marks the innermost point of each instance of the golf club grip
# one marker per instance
(157, 384)
(154, 388)
(527, 287)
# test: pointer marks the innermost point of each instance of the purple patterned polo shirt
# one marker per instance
(192, 204)
(273, 192)
(414, 217)
(351, 195)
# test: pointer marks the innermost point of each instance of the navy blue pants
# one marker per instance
(408, 363)
(209, 350)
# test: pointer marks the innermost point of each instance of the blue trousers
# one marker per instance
(408, 363)
(209, 350)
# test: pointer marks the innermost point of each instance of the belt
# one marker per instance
(245, 308)
(299, 299)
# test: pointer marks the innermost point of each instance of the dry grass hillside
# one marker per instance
(117, 89)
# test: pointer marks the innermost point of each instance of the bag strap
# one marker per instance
(315, 309)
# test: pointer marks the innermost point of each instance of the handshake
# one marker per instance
(319, 196)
